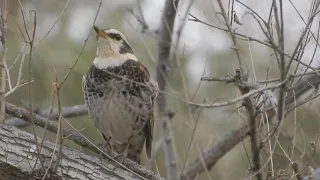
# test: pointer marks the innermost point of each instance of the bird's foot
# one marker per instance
(121, 157)
(105, 149)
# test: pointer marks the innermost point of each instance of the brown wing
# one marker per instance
(149, 131)
(150, 122)
(139, 73)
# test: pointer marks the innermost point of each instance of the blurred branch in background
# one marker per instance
(67, 112)
(3, 65)
(162, 76)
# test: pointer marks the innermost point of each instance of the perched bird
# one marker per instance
(120, 96)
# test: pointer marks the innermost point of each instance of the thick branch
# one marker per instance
(211, 156)
(18, 155)
(74, 136)
(162, 71)
(307, 83)
(254, 137)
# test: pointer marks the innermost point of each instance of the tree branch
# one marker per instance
(66, 112)
(18, 155)
(74, 136)
(211, 156)
(162, 72)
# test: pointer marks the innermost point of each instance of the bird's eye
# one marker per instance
(117, 37)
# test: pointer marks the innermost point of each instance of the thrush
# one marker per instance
(120, 96)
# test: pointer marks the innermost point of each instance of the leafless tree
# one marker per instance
(264, 104)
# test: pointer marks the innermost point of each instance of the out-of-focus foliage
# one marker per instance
(204, 51)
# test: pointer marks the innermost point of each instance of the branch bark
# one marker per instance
(162, 72)
(210, 156)
(18, 155)
(75, 137)
(67, 112)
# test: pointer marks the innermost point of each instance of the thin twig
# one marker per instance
(282, 66)
(235, 100)
(30, 41)
(194, 122)
(308, 25)
(18, 84)
(246, 38)
(53, 95)
(54, 24)
(234, 39)
(251, 109)
(227, 79)
(212, 155)
(60, 133)
(83, 46)
(139, 17)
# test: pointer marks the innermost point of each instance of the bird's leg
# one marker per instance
(107, 145)
(125, 152)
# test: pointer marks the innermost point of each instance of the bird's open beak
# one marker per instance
(100, 33)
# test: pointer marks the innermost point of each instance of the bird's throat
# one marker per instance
(104, 62)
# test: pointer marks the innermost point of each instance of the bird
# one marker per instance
(120, 95)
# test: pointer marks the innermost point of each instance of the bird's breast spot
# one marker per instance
(124, 93)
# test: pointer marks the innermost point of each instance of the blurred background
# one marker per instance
(202, 51)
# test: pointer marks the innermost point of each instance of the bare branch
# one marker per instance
(19, 153)
(234, 39)
(75, 137)
(162, 72)
(211, 156)
(3, 30)
(54, 24)
(139, 17)
(18, 84)
(66, 112)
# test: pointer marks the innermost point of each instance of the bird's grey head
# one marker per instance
(113, 48)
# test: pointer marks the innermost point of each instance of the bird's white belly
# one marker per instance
(117, 117)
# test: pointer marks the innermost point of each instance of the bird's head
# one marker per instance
(113, 48)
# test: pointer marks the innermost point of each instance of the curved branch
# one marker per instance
(210, 157)
(18, 155)
(74, 136)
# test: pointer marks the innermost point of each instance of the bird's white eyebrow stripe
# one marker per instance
(114, 31)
